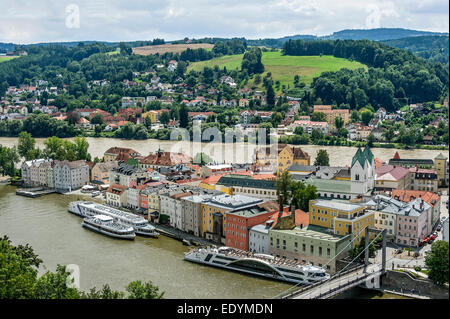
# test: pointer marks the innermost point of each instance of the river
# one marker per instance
(58, 238)
(236, 153)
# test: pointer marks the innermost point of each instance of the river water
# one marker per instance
(236, 153)
(58, 238)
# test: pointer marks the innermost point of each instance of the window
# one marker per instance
(320, 252)
(312, 249)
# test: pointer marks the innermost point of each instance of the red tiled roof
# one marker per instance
(396, 172)
(408, 195)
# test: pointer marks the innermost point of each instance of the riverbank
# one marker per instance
(233, 153)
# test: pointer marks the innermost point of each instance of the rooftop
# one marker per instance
(330, 185)
(339, 205)
(313, 232)
(233, 202)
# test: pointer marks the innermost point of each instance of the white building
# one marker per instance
(170, 204)
(258, 239)
(31, 174)
(362, 171)
(191, 216)
(69, 176)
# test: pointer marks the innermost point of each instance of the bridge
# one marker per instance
(368, 274)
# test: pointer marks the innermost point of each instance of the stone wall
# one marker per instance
(396, 280)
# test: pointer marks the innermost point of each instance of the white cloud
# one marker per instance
(114, 20)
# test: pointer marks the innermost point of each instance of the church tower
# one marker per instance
(362, 171)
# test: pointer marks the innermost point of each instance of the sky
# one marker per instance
(25, 21)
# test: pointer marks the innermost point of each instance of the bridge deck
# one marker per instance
(337, 285)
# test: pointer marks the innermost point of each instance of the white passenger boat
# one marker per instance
(140, 225)
(257, 264)
(107, 226)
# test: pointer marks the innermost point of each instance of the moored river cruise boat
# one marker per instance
(107, 226)
(257, 264)
(140, 225)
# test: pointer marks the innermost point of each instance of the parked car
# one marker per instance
(426, 239)
(432, 237)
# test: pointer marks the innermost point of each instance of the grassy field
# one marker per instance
(7, 58)
(284, 68)
(174, 48)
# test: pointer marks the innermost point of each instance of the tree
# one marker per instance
(283, 185)
(366, 116)
(322, 158)
(139, 290)
(318, 117)
(437, 262)
(8, 158)
(81, 148)
(26, 146)
(17, 275)
(270, 96)
(389, 134)
(299, 130)
(370, 140)
(183, 116)
(55, 285)
(302, 194)
(251, 62)
(164, 118)
(97, 119)
(338, 122)
(355, 116)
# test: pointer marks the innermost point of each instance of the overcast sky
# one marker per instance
(24, 21)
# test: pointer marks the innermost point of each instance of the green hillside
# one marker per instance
(6, 58)
(284, 68)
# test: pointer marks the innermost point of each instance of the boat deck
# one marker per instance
(276, 261)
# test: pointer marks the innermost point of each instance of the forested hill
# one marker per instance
(394, 74)
(379, 34)
(434, 48)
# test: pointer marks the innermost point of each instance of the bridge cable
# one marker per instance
(284, 292)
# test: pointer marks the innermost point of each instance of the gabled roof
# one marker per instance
(362, 156)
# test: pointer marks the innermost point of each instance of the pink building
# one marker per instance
(413, 223)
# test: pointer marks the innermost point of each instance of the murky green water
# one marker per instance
(58, 238)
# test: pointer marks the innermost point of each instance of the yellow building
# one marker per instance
(290, 156)
(152, 114)
(342, 218)
(440, 166)
(210, 183)
(153, 201)
(207, 223)
(282, 156)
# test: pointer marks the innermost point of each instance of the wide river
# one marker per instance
(236, 153)
(58, 238)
